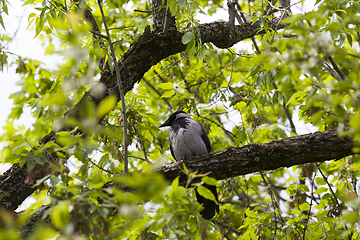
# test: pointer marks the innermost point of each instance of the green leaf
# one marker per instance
(166, 86)
(54, 180)
(251, 214)
(175, 183)
(240, 105)
(106, 106)
(168, 94)
(349, 38)
(5, 8)
(189, 36)
(320, 190)
(182, 4)
(2, 22)
(28, 2)
(60, 215)
(354, 121)
(190, 46)
(40, 181)
(210, 181)
(304, 207)
(110, 62)
(206, 193)
(263, 22)
(342, 39)
(320, 181)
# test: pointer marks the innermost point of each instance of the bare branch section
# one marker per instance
(231, 162)
(146, 52)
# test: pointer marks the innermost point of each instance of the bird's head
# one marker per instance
(175, 115)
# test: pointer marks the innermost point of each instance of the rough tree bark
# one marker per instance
(310, 148)
(146, 52)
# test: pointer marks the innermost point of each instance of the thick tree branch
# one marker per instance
(231, 162)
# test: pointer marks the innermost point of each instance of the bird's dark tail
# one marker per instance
(209, 206)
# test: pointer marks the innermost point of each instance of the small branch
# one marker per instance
(99, 34)
(288, 115)
(245, 21)
(311, 200)
(336, 67)
(142, 11)
(327, 183)
(218, 4)
(121, 91)
(273, 201)
(232, 67)
(101, 167)
(232, 13)
(159, 13)
(167, 21)
(289, 35)
(158, 74)
(286, 110)
(221, 224)
(285, 5)
(230, 134)
(243, 18)
(143, 159)
(118, 28)
(333, 63)
(353, 178)
(331, 71)
(233, 187)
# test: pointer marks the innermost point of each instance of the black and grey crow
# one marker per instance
(187, 138)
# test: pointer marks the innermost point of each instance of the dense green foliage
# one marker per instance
(309, 70)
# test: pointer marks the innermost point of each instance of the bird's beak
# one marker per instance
(165, 124)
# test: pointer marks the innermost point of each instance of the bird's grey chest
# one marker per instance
(185, 140)
(177, 139)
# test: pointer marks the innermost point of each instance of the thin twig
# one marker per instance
(99, 34)
(332, 192)
(168, 67)
(130, 156)
(118, 78)
(232, 66)
(327, 182)
(311, 200)
(232, 136)
(331, 71)
(144, 151)
(222, 71)
(142, 11)
(289, 35)
(245, 21)
(101, 167)
(217, 222)
(117, 28)
(272, 200)
(274, 203)
(333, 63)
(336, 68)
(353, 178)
(246, 201)
(286, 110)
(228, 133)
